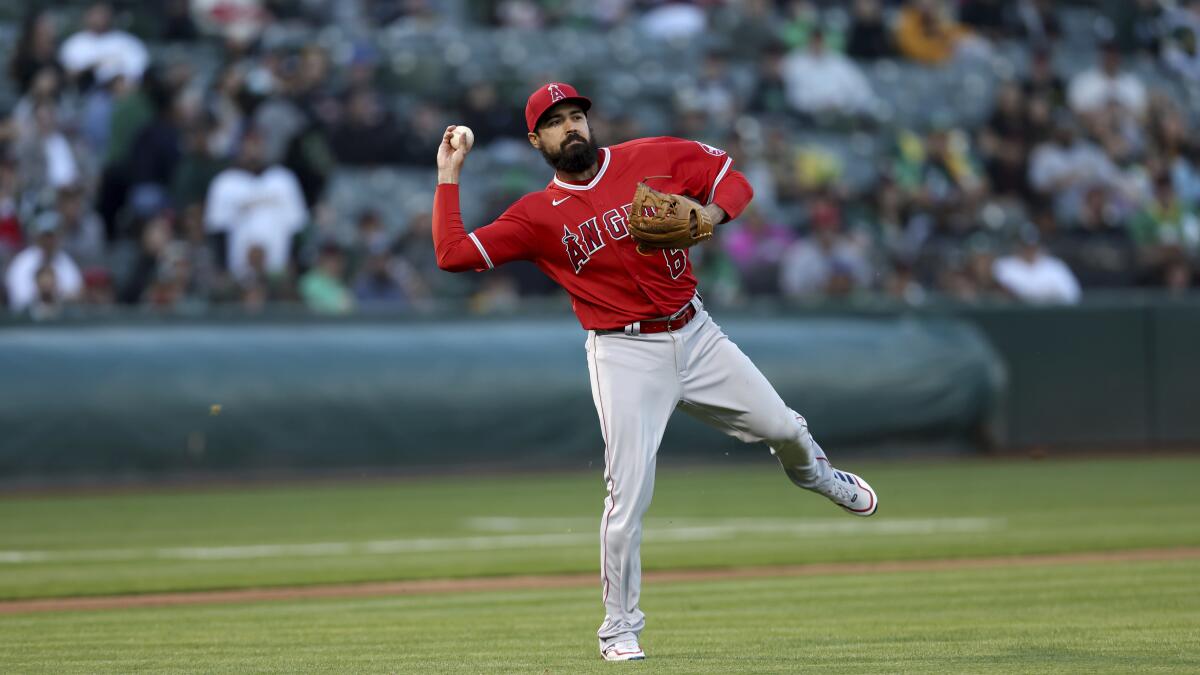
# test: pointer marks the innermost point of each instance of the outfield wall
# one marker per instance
(145, 396)
(105, 399)
(1123, 374)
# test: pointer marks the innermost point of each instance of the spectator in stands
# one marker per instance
(829, 262)
(799, 19)
(770, 88)
(1181, 45)
(489, 117)
(1062, 168)
(380, 283)
(46, 160)
(1185, 173)
(21, 278)
(716, 90)
(425, 121)
(197, 166)
(381, 277)
(901, 284)
(258, 285)
(1042, 83)
(750, 28)
(869, 36)
(46, 87)
(366, 134)
(371, 236)
(989, 18)
(12, 237)
(1165, 225)
(160, 142)
(253, 204)
(1138, 24)
(1093, 89)
(1097, 245)
(1178, 276)
(1037, 21)
(47, 302)
(927, 33)
(323, 288)
(102, 50)
(36, 50)
(823, 83)
(229, 102)
(155, 232)
(173, 286)
(80, 229)
(1034, 276)
(966, 274)
(674, 21)
(755, 245)
(942, 176)
(1005, 142)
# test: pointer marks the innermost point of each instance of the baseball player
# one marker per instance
(613, 228)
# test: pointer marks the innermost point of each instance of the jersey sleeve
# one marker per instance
(709, 176)
(505, 239)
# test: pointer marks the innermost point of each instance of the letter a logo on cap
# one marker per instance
(556, 94)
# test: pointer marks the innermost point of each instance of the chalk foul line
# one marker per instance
(578, 532)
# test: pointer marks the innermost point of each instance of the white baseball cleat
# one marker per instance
(850, 492)
(626, 650)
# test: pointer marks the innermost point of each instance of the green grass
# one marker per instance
(1086, 618)
(132, 542)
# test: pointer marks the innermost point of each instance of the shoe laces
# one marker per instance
(838, 488)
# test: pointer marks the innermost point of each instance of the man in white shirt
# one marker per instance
(1034, 276)
(21, 277)
(1094, 89)
(1065, 166)
(255, 205)
(818, 81)
(100, 48)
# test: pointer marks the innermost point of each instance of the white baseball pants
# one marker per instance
(637, 382)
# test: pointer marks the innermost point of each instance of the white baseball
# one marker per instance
(460, 136)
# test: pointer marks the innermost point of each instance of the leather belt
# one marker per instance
(667, 323)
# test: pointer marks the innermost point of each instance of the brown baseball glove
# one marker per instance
(661, 220)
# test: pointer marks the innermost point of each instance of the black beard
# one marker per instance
(575, 157)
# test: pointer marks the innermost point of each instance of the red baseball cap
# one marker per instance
(548, 95)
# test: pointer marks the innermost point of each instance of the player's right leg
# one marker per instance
(635, 389)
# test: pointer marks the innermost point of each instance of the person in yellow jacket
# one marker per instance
(927, 33)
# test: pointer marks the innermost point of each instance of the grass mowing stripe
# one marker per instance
(1130, 617)
(1047, 507)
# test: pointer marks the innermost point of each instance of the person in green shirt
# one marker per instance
(323, 288)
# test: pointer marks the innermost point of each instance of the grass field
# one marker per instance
(1111, 617)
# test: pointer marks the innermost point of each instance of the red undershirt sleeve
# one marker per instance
(501, 241)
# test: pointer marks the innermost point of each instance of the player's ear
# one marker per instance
(535, 141)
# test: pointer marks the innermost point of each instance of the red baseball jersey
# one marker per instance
(577, 235)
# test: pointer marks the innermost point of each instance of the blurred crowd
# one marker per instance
(133, 175)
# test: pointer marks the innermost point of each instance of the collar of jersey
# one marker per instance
(595, 179)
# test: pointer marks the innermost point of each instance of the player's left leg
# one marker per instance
(724, 388)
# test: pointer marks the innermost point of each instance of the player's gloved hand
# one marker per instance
(661, 220)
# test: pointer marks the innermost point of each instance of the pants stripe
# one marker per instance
(611, 497)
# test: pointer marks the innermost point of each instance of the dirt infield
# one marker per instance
(383, 589)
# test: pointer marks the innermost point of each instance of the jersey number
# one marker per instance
(676, 261)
